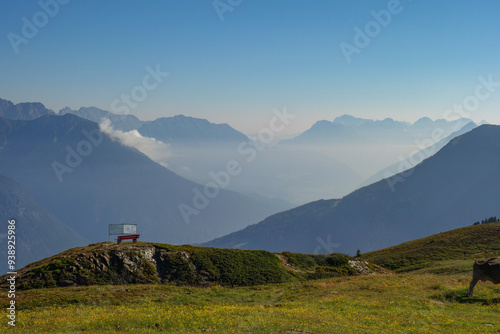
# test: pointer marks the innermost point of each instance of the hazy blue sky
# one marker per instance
(263, 55)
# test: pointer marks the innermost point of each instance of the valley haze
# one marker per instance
(187, 180)
(255, 145)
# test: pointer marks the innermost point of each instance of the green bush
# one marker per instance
(182, 265)
(232, 267)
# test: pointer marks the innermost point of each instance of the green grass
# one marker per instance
(399, 303)
(468, 243)
(146, 263)
(428, 295)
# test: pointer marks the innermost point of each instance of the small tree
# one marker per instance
(358, 253)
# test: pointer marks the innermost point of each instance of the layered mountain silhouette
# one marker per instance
(38, 233)
(88, 181)
(350, 129)
(119, 122)
(366, 147)
(183, 129)
(458, 185)
(23, 111)
(178, 129)
(418, 156)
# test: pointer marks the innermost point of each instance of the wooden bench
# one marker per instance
(134, 237)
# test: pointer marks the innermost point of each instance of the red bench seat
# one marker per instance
(134, 237)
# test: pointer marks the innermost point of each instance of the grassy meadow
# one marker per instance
(438, 251)
(426, 294)
(398, 303)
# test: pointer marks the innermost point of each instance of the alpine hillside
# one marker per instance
(87, 180)
(457, 185)
(38, 233)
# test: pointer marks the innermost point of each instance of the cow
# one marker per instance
(488, 270)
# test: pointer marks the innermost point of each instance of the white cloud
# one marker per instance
(154, 149)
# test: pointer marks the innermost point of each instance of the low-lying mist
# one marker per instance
(297, 171)
(294, 173)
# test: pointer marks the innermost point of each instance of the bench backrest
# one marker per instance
(128, 236)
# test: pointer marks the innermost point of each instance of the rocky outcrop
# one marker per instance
(147, 263)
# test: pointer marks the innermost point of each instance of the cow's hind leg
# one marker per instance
(471, 287)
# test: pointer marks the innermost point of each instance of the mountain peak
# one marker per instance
(181, 128)
(94, 114)
(89, 180)
(23, 111)
(65, 110)
(423, 121)
(455, 186)
(349, 120)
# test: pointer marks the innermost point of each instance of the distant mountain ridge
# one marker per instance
(180, 128)
(23, 111)
(347, 128)
(329, 160)
(88, 181)
(177, 129)
(119, 122)
(417, 157)
(448, 190)
(184, 129)
(352, 121)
